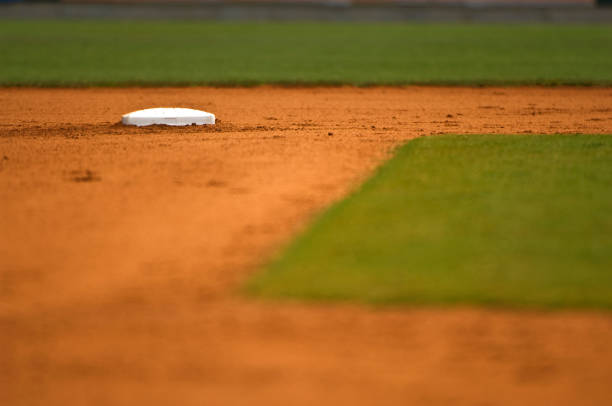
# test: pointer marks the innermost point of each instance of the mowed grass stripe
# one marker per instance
(61, 53)
(489, 219)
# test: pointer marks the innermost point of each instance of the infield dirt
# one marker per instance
(122, 250)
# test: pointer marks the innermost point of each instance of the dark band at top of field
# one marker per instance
(107, 53)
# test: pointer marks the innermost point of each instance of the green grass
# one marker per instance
(490, 219)
(56, 53)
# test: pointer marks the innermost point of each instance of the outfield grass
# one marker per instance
(490, 219)
(166, 53)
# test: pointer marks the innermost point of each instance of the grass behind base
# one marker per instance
(505, 220)
(72, 53)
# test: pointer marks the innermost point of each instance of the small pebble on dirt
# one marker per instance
(330, 133)
(215, 183)
(85, 176)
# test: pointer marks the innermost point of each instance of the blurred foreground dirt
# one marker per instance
(122, 251)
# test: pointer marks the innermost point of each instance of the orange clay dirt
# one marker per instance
(122, 250)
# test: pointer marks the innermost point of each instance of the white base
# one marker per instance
(168, 116)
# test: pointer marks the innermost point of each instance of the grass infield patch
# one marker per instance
(73, 53)
(489, 219)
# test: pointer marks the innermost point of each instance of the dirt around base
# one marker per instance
(122, 249)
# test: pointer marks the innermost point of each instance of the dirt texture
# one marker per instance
(122, 251)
